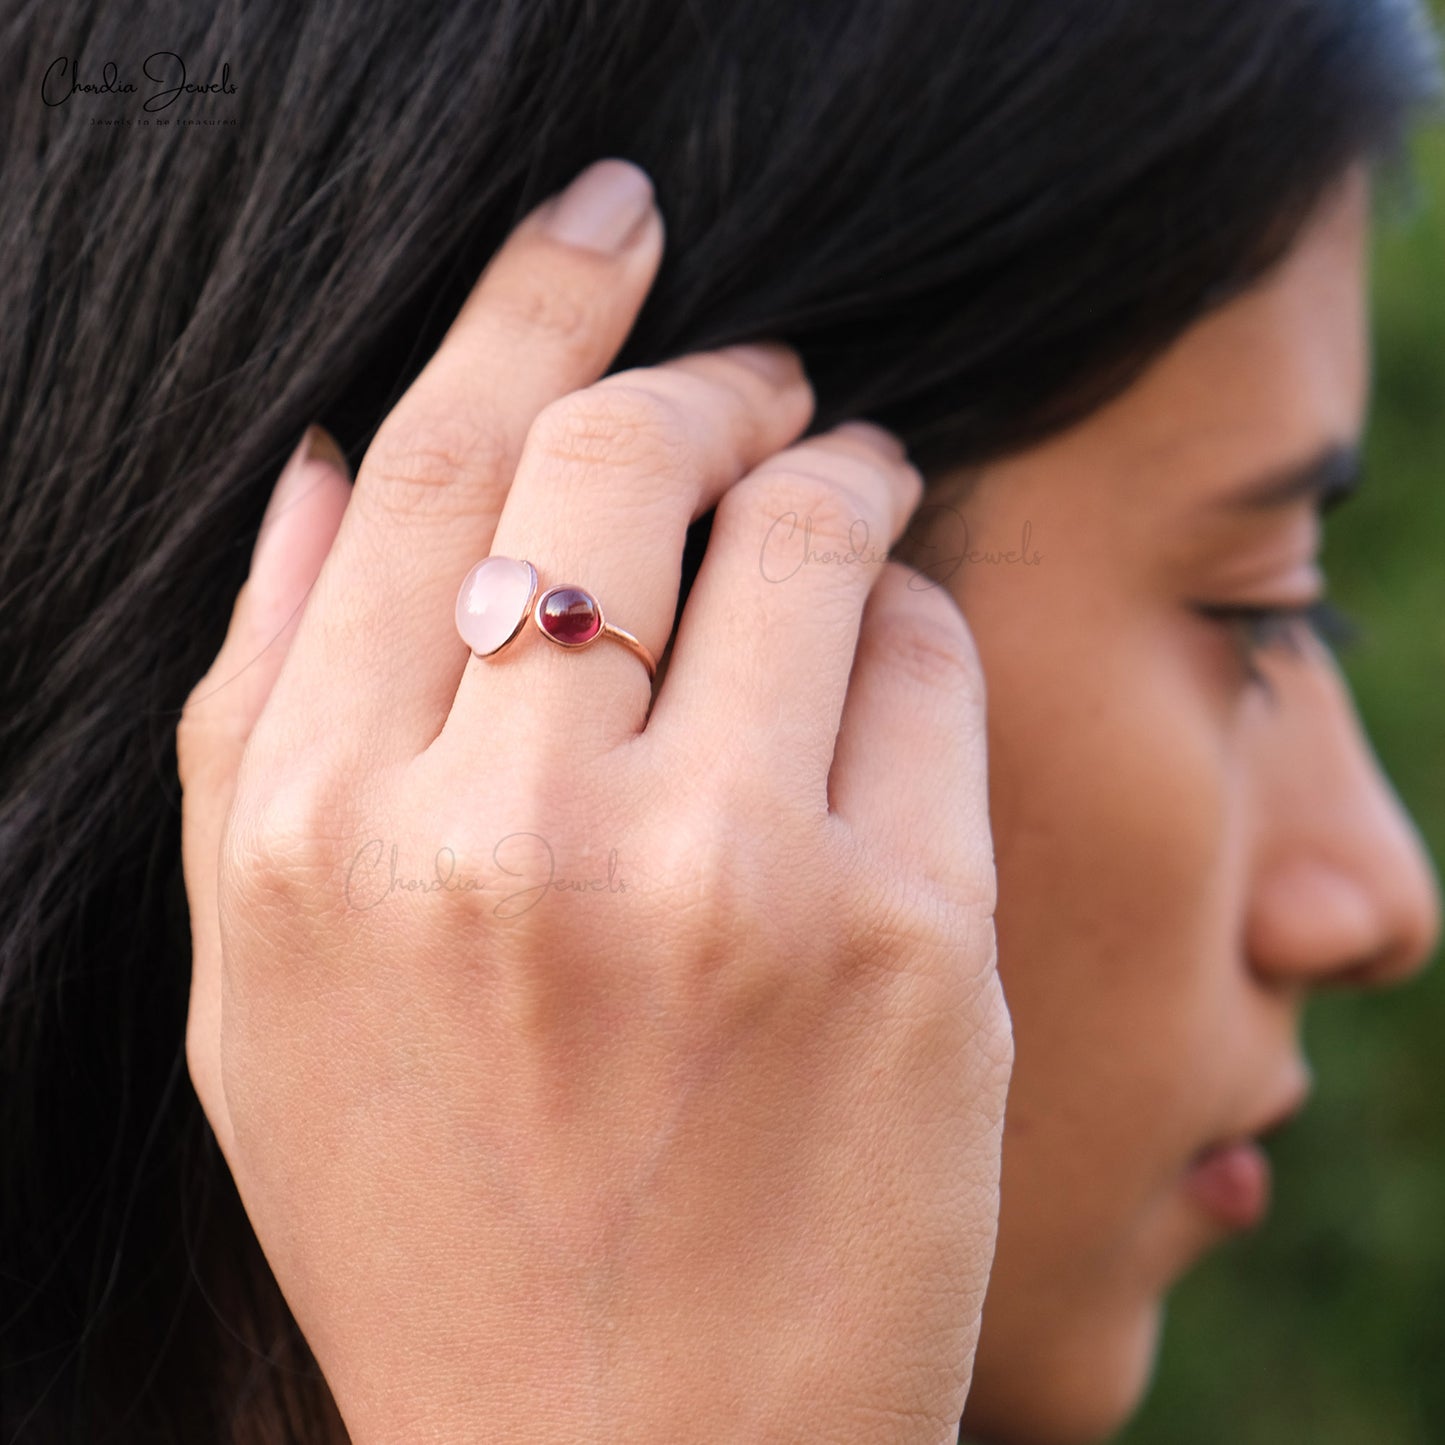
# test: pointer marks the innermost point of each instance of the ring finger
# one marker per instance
(608, 482)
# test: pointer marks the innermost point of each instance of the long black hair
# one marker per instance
(976, 221)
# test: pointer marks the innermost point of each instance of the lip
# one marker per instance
(1230, 1177)
(1231, 1183)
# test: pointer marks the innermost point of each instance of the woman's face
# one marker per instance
(1184, 849)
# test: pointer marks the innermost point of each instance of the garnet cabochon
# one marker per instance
(493, 602)
(569, 615)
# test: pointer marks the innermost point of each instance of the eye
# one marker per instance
(1260, 629)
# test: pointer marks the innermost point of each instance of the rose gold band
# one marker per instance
(632, 645)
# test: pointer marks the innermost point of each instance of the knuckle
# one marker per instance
(996, 1028)
(701, 877)
(613, 424)
(909, 926)
(865, 473)
(699, 384)
(791, 496)
(973, 980)
(562, 317)
(990, 1037)
(285, 843)
(938, 962)
(928, 642)
(420, 458)
(711, 895)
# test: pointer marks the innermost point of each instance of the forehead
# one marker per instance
(1270, 376)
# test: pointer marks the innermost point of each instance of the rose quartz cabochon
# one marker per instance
(493, 601)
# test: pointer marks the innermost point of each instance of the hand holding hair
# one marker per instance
(601, 1057)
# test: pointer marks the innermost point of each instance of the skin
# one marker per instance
(1181, 861)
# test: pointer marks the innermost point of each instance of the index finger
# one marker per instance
(547, 316)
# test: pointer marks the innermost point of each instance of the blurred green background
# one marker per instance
(1327, 1326)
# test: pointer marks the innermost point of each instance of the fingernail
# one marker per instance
(603, 206)
(316, 445)
(322, 446)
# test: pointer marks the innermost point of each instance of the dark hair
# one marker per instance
(976, 222)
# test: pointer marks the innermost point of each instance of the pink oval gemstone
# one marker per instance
(569, 615)
(493, 602)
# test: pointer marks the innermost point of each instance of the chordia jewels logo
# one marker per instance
(163, 69)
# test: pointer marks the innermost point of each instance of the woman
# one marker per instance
(1100, 273)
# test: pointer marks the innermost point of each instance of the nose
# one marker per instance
(1343, 890)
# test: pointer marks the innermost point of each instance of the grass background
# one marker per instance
(1327, 1326)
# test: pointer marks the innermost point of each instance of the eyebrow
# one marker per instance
(1329, 477)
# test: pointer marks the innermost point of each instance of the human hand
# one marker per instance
(710, 1150)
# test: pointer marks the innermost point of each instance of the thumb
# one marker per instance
(299, 526)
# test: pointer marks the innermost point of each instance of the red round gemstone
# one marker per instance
(569, 615)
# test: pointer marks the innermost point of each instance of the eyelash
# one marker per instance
(1260, 629)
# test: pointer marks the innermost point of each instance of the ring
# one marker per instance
(499, 594)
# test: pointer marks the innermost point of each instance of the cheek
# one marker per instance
(1111, 796)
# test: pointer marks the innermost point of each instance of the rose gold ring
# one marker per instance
(500, 593)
